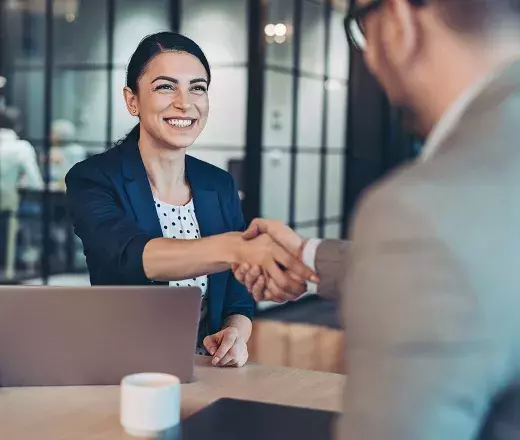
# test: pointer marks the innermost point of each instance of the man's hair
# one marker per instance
(478, 16)
(6, 121)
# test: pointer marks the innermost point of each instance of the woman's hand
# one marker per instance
(254, 276)
(227, 347)
(284, 275)
(254, 280)
(261, 288)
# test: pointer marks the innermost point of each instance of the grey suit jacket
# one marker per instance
(431, 287)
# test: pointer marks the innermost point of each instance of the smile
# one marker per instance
(180, 123)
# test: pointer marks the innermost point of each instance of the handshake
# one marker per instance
(269, 262)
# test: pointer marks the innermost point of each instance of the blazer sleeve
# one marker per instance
(113, 243)
(238, 301)
(331, 260)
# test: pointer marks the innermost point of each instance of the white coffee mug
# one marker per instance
(150, 403)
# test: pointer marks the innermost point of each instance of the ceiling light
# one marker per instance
(270, 30)
(280, 30)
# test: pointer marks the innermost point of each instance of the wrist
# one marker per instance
(232, 246)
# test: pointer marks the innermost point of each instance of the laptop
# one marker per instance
(54, 336)
(232, 419)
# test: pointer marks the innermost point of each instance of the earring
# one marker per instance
(134, 111)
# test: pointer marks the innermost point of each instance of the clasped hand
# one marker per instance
(273, 269)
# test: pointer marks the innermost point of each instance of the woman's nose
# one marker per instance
(182, 101)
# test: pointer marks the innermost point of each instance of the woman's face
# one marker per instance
(172, 99)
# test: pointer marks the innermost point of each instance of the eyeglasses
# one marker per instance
(354, 21)
(354, 26)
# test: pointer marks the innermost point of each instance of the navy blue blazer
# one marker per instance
(114, 215)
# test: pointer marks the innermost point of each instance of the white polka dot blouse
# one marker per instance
(180, 222)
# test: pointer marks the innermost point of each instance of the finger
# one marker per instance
(269, 295)
(293, 276)
(244, 268)
(239, 277)
(227, 342)
(240, 272)
(252, 277)
(294, 265)
(242, 361)
(239, 361)
(252, 231)
(258, 226)
(210, 344)
(277, 294)
(227, 361)
(284, 281)
(258, 297)
(258, 288)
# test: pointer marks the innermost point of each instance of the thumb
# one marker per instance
(251, 232)
(210, 343)
(254, 230)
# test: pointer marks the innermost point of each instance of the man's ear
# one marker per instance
(403, 30)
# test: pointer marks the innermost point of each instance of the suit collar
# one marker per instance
(502, 84)
(484, 96)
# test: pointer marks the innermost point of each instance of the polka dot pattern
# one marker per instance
(179, 222)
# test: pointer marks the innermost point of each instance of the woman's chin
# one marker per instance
(179, 142)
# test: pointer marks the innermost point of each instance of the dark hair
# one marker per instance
(476, 16)
(6, 121)
(150, 47)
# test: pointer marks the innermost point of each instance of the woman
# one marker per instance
(148, 214)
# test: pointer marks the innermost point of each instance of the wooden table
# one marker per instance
(81, 413)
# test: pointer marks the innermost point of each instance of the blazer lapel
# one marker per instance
(209, 216)
(503, 85)
(206, 202)
(138, 189)
(207, 211)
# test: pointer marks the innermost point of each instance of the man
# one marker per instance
(18, 164)
(430, 281)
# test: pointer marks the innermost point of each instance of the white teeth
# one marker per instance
(182, 123)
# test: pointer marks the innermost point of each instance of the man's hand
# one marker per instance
(285, 275)
(227, 347)
(279, 232)
(257, 281)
